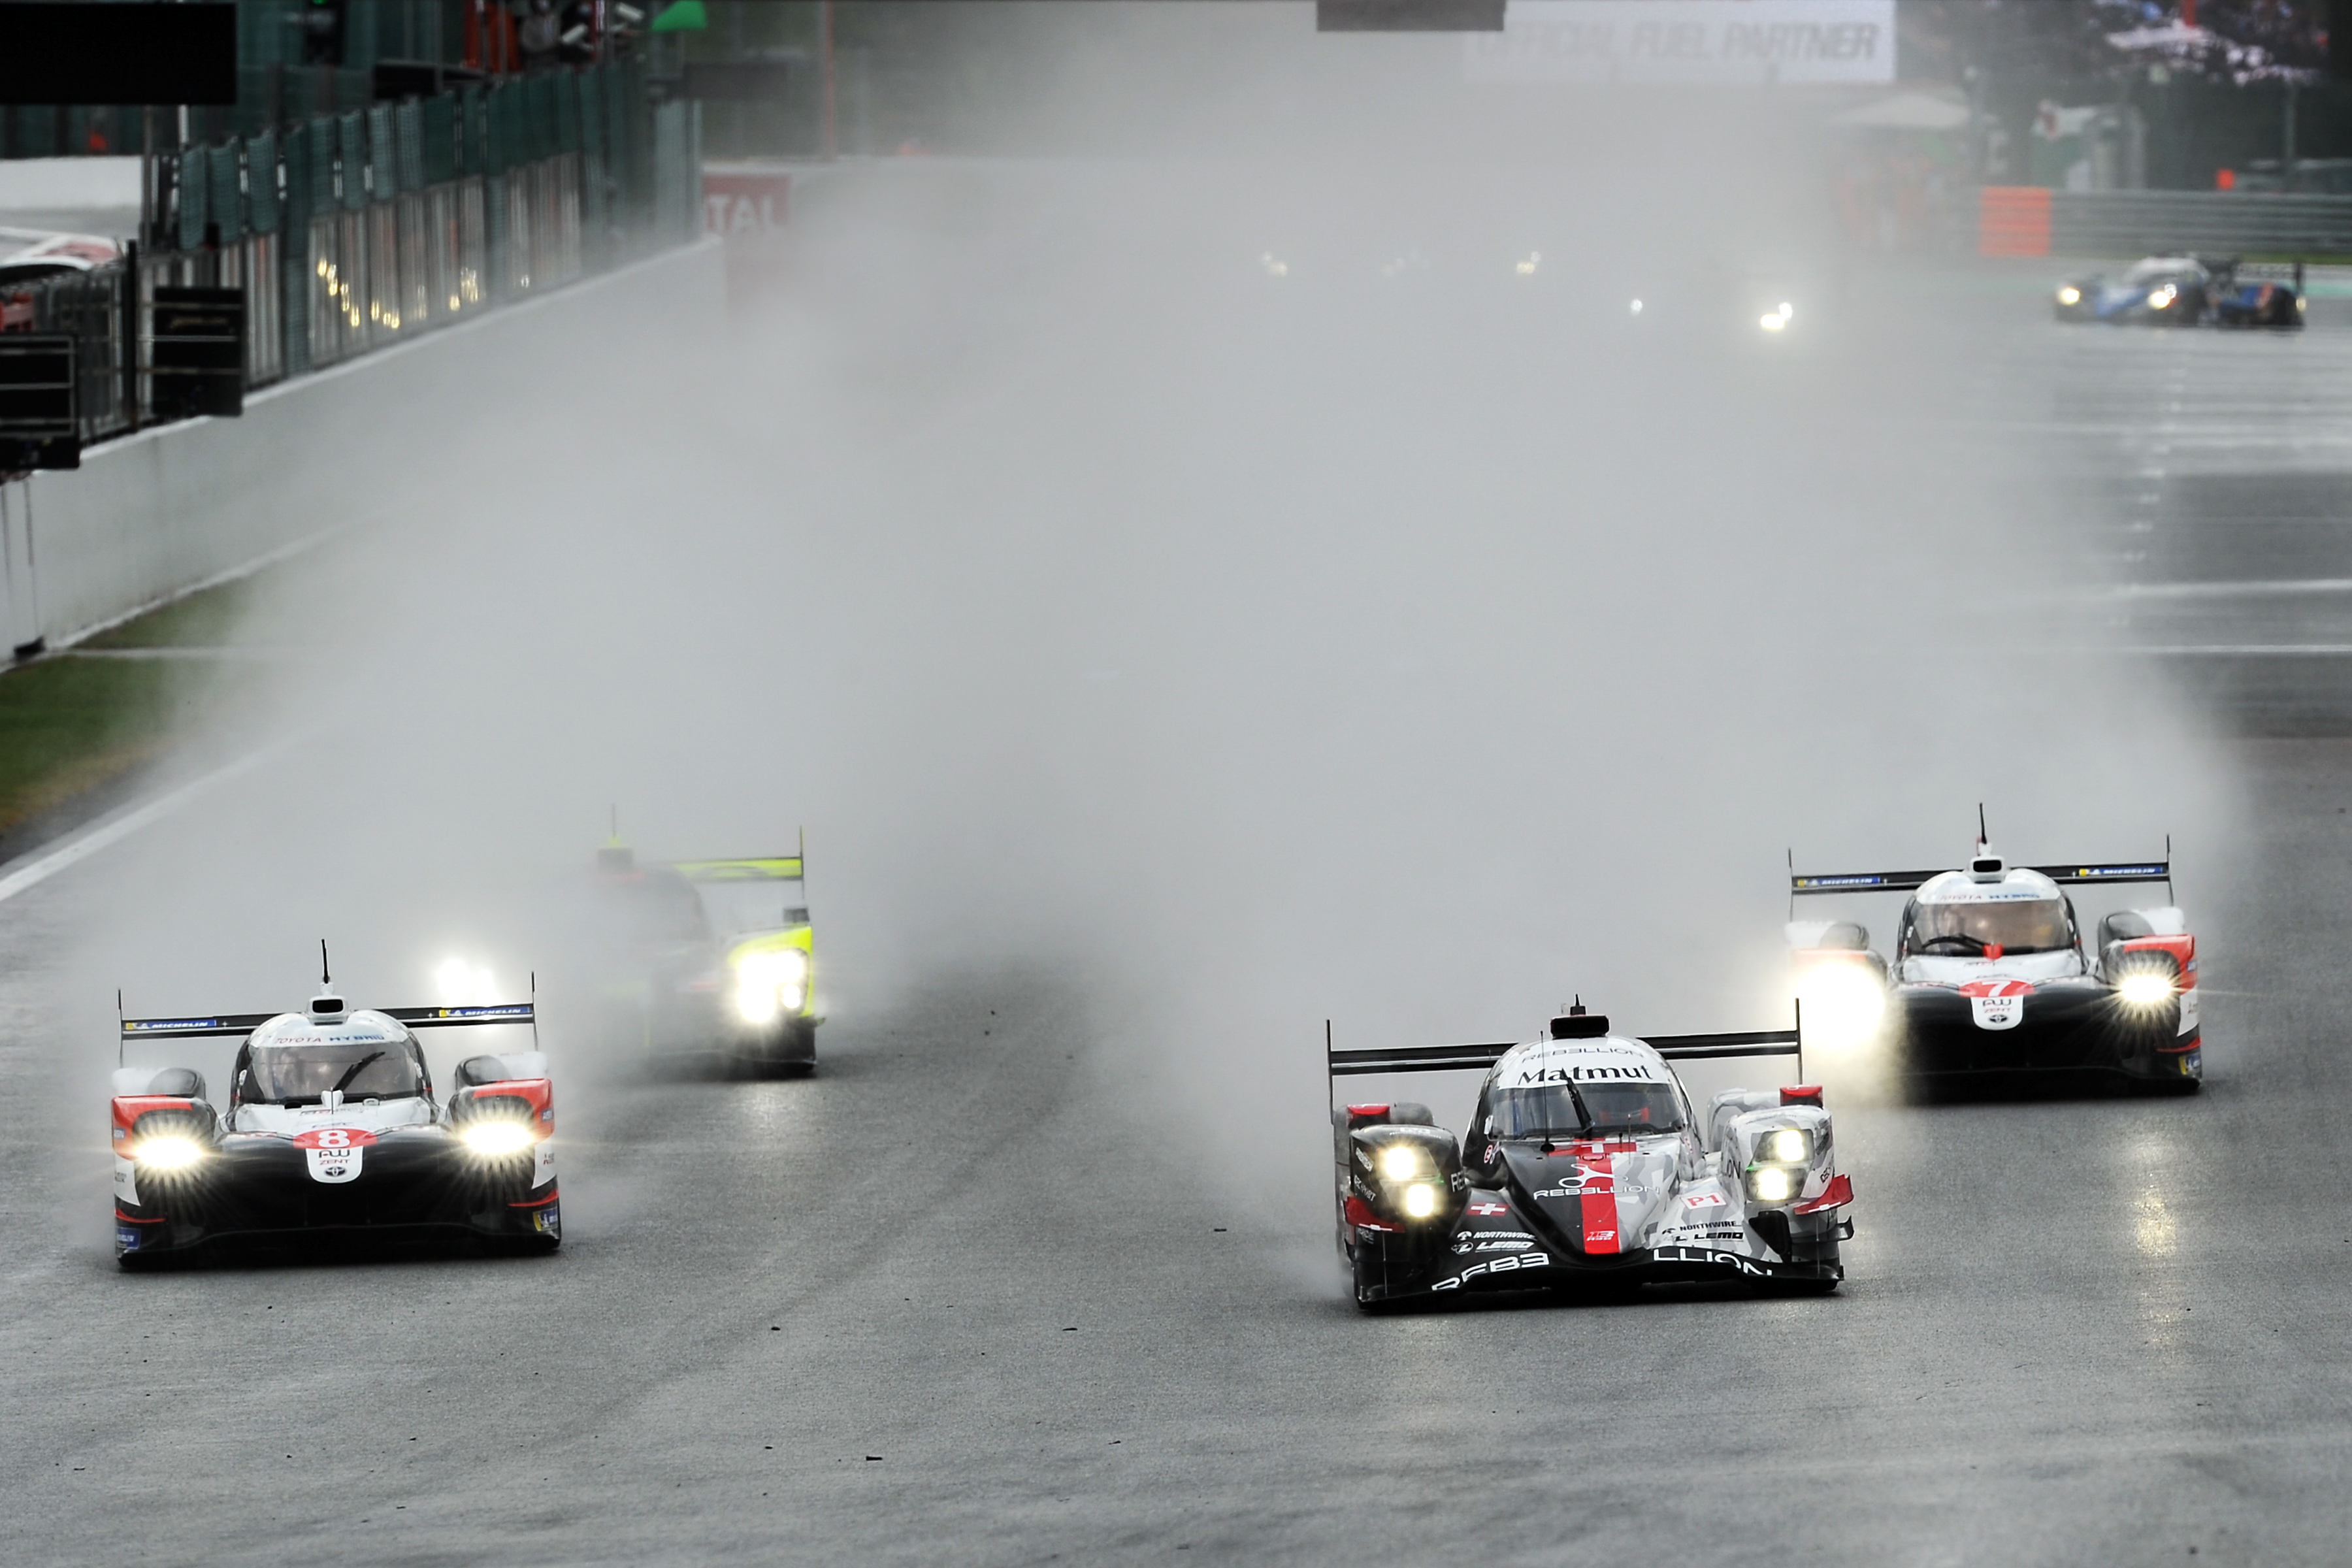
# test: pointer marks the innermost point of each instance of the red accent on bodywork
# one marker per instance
(1997, 988)
(2182, 949)
(538, 1093)
(1839, 1193)
(316, 1138)
(1993, 950)
(130, 1107)
(1359, 1215)
(1356, 1110)
(134, 1219)
(535, 1203)
(1597, 1196)
(1802, 1094)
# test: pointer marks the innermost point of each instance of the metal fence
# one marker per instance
(2029, 220)
(350, 232)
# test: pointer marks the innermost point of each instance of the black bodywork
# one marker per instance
(1511, 1216)
(2069, 1025)
(1496, 1235)
(417, 1185)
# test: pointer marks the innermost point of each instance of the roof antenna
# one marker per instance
(118, 1026)
(1983, 837)
(1576, 1008)
(325, 980)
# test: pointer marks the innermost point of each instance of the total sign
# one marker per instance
(741, 200)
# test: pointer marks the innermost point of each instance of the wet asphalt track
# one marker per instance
(2081, 1331)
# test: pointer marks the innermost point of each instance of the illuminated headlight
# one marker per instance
(2162, 296)
(1420, 1200)
(768, 983)
(2146, 988)
(169, 1153)
(1786, 1145)
(2069, 295)
(499, 1137)
(1845, 1004)
(1403, 1162)
(1772, 1184)
(1772, 320)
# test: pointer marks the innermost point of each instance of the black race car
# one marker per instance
(1585, 1167)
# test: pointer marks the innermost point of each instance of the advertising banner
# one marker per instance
(1798, 42)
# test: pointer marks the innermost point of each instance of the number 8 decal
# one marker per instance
(334, 1138)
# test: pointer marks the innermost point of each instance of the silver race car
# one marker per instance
(1586, 1168)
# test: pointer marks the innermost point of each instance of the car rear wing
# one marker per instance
(1339, 1063)
(769, 868)
(239, 1025)
(1906, 881)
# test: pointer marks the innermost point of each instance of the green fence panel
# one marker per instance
(408, 134)
(383, 160)
(502, 147)
(190, 184)
(262, 198)
(326, 148)
(436, 119)
(590, 109)
(224, 203)
(474, 131)
(352, 152)
(304, 147)
(567, 112)
(539, 92)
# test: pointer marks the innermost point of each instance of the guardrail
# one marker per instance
(349, 233)
(2029, 220)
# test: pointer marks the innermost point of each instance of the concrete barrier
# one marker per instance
(153, 516)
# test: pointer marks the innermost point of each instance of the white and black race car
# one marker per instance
(1991, 976)
(331, 1129)
(1587, 1169)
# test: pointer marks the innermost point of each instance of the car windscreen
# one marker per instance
(753, 904)
(2156, 270)
(363, 1070)
(1549, 1110)
(652, 906)
(1967, 931)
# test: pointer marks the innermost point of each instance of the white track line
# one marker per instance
(81, 846)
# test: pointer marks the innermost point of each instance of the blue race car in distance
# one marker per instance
(2183, 291)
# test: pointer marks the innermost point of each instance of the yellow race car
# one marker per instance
(711, 959)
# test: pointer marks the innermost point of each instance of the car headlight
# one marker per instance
(1844, 1004)
(2069, 295)
(770, 982)
(169, 1153)
(1772, 1184)
(497, 1137)
(1772, 320)
(2146, 988)
(1420, 1200)
(1785, 1145)
(2162, 298)
(1403, 1162)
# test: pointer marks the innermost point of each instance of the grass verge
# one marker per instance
(89, 714)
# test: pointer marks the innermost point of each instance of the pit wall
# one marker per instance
(156, 515)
